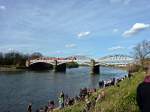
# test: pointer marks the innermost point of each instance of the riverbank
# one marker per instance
(11, 69)
(121, 98)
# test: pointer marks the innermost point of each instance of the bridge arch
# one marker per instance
(41, 66)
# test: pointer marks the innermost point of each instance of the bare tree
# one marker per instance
(36, 55)
(142, 51)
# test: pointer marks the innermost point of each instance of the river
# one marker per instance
(17, 89)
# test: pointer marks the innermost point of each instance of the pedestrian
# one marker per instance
(37, 110)
(98, 97)
(66, 101)
(103, 94)
(143, 94)
(129, 74)
(61, 100)
(41, 109)
(87, 105)
(46, 108)
(51, 106)
(101, 84)
(114, 81)
(76, 99)
(29, 109)
(81, 94)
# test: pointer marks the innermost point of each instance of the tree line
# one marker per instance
(16, 58)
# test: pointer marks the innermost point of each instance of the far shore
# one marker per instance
(11, 69)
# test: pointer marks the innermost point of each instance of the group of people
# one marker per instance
(90, 103)
(111, 82)
(65, 100)
(48, 108)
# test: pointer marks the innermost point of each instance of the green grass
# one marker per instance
(118, 99)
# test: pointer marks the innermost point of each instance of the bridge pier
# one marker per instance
(95, 69)
(59, 67)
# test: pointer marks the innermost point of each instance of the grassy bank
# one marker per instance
(118, 99)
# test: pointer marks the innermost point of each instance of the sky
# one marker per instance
(62, 28)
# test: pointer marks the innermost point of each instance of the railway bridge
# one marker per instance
(59, 64)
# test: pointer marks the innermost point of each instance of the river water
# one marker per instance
(17, 89)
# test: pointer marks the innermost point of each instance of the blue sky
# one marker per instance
(73, 27)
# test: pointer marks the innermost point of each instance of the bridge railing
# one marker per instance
(87, 62)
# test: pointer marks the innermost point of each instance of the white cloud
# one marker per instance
(2, 7)
(115, 30)
(136, 28)
(70, 45)
(115, 48)
(83, 34)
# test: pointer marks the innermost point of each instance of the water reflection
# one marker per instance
(94, 80)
